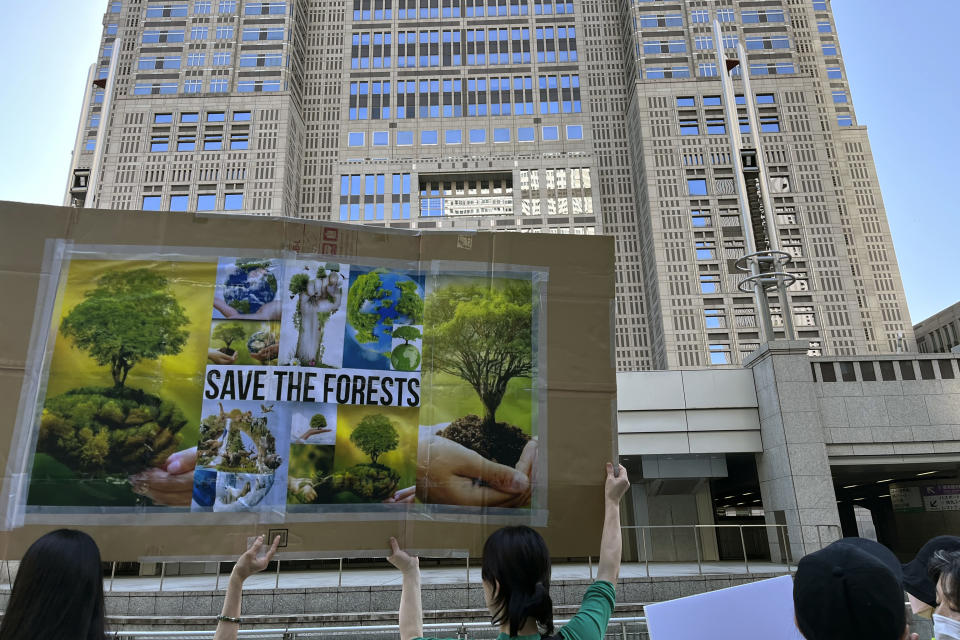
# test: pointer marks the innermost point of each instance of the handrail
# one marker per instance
(291, 633)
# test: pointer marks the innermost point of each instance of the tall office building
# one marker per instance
(560, 116)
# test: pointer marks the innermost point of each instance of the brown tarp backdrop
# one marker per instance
(577, 374)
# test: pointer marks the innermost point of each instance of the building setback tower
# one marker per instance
(559, 116)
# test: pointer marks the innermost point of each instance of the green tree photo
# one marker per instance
(375, 435)
(228, 333)
(481, 334)
(130, 316)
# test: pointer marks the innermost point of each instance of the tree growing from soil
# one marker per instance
(318, 421)
(228, 333)
(375, 435)
(130, 316)
(482, 335)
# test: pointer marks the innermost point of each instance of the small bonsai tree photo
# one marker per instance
(406, 357)
(407, 333)
(375, 435)
(228, 333)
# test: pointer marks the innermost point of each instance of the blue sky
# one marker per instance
(41, 95)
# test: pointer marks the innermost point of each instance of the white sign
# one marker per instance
(761, 609)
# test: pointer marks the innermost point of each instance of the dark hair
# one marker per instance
(58, 592)
(516, 563)
(947, 563)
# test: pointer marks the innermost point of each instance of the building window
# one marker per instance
(187, 142)
(195, 59)
(152, 203)
(202, 7)
(550, 133)
(167, 11)
(707, 69)
(700, 15)
(834, 73)
(689, 127)
(453, 136)
(221, 58)
(213, 141)
(90, 144)
(265, 8)
(228, 6)
(189, 117)
(700, 219)
(224, 33)
(112, 29)
(823, 26)
(250, 86)
(233, 202)
(198, 33)
(709, 283)
(706, 249)
(355, 139)
(404, 138)
(162, 118)
(525, 134)
(159, 88)
(840, 97)
(845, 121)
(829, 49)
(429, 137)
(726, 15)
(269, 33)
(719, 353)
(241, 116)
(714, 319)
(574, 132)
(219, 85)
(381, 138)
(716, 125)
(697, 186)
(239, 140)
(501, 135)
(478, 136)
(206, 202)
(179, 203)
(192, 86)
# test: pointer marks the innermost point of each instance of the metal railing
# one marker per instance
(783, 541)
(617, 629)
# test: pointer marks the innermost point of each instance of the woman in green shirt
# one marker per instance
(516, 579)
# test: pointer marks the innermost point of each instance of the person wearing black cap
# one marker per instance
(921, 589)
(850, 590)
(945, 572)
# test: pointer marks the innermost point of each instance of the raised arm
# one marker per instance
(411, 610)
(248, 564)
(610, 543)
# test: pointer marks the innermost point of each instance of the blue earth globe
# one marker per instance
(249, 286)
(379, 301)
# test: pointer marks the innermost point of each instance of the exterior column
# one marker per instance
(794, 471)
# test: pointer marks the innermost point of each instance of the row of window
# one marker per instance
(702, 16)
(195, 85)
(223, 32)
(717, 124)
(362, 197)
(427, 9)
(218, 59)
(194, 116)
(703, 43)
(209, 141)
(709, 70)
(206, 7)
(447, 98)
(434, 48)
(204, 202)
(455, 136)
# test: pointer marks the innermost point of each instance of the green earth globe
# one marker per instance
(405, 357)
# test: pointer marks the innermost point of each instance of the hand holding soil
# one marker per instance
(171, 485)
(449, 473)
(218, 357)
(269, 352)
(269, 311)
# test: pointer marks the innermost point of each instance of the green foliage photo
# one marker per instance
(130, 316)
(375, 435)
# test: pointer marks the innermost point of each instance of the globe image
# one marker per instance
(249, 286)
(405, 357)
(378, 301)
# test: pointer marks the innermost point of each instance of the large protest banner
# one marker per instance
(174, 384)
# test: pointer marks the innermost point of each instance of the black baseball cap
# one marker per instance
(850, 589)
(916, 576)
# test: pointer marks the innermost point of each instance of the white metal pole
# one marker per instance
(78, 140)
(774, 234)
(101, 145)
(740, 184)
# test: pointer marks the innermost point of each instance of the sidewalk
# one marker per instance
(445, 575)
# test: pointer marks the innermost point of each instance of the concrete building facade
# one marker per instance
(940, 333)
(556, 116)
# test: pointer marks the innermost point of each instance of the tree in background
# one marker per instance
(228, 333)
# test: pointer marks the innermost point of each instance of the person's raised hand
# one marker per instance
(401, 559)
(617, 483)
(250, 563)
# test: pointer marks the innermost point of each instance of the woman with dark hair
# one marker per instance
(516, 579)
(921, 590)
(945, 573)
(58, 592)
